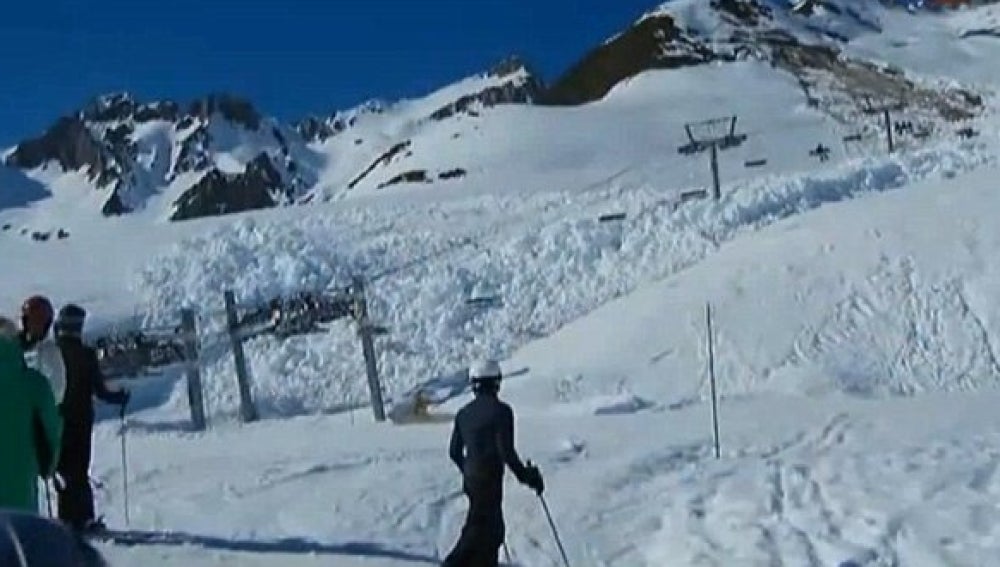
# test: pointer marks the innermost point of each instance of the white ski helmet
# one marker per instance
(483, 370)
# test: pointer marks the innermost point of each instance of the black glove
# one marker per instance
(533, 478)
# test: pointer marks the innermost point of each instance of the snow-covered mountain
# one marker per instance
(119, 156)
(217, 155)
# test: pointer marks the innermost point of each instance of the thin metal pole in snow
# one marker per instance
(888, 130)
(711, 377)
(124, 432)
(555, 532)
(716, 189)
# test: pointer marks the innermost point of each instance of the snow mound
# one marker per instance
(875, 298)
(549, 272)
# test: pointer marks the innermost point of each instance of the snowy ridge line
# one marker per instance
(546, 277)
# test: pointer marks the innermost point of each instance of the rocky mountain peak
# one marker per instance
(508, 66)
(234, 109)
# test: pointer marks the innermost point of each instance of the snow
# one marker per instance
(933, 46)
(853, 307)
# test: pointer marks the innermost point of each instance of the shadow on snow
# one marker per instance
(287, 546)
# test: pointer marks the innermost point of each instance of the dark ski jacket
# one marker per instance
(84, 380)
(30, 540)
(482, 441)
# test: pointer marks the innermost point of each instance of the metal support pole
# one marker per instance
(365, 330)
(124, 433)
(248, 411)
(888, 130)
(711, 377)
(716, 190)
(196, 397)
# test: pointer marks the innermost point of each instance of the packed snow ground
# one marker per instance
(855, 360)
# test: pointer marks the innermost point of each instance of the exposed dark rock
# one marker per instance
(194, 154)
(281, 140)
(828, 33)
(853, 77)
(69, 143)
(638, 49)
(509, 66)
(114, 205)
(859, 19)
(452, 173)
(383, 159)
(6, 227)
(108, 108)
(118, 135)
(220, 193)
(314, 129)
(515, 91)
(749, 13)
(970, 98)
(233, 109)
(165, 110)
(184, 123)
(416, 176)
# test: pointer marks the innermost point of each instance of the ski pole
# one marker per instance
(555, 532)
(48, 496)
(124, 463)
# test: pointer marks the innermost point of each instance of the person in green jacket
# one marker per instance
(30, 426)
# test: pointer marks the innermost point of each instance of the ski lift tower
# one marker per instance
(714, 134)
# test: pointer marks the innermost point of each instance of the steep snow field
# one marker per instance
(542, 148)
(944, 46)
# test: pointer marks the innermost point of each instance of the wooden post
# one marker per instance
(196, 397)
(248, 411)
(711, 377)
(716, 190)
(366, 330)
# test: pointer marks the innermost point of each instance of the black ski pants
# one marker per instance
(76, 500)
(483, 533)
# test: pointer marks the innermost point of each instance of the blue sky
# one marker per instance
(290, 57)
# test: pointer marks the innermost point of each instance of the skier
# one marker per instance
(84, 381)
(41, 352)
(27, 540)
(30, 427)
(482, 441)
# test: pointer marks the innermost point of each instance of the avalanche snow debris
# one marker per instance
(546, 279)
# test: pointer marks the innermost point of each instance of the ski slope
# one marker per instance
(854, 356)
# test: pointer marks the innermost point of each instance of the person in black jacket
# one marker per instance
(482, 442)
(84, 380)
